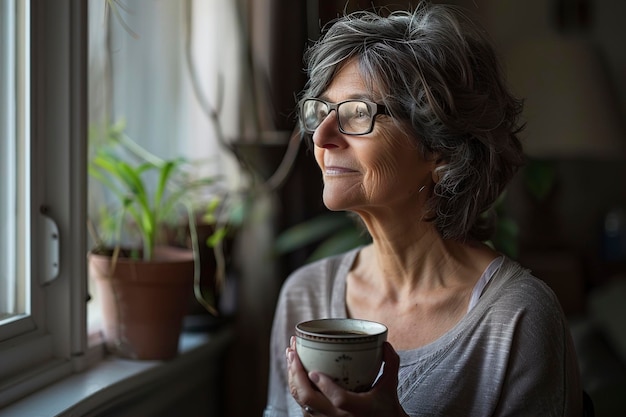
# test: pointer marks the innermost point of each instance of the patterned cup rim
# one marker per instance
(315, 330)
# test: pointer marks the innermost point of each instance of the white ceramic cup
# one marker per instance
(347, 350)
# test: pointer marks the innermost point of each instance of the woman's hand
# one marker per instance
(319, 396)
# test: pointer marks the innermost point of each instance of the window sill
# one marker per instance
(113, 380)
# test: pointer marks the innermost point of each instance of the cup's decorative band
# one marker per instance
(320, 337)
(341, 331)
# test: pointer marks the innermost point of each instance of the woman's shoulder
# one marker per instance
(515, 289)
(521, 280)
(315, 290)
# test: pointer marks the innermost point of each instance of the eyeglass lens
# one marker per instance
(354, 116)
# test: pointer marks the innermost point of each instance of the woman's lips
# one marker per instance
(334, 170)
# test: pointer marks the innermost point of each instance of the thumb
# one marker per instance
(389, 378)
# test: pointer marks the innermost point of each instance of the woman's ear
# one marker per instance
(438, 164)
(435, 175)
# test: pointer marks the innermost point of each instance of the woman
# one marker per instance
(414, 130)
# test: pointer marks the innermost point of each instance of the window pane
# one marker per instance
(13, 163)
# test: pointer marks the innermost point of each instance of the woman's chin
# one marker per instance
(340, 198)
(334, 207)
(334, 202)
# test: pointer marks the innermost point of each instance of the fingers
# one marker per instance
(300, 386)
(297, 374)
(304, 389)
(333, 392)
(319, 395)
(385, 387)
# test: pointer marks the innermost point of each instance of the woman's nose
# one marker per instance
(327, 134)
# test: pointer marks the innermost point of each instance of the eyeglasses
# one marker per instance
(355, 117)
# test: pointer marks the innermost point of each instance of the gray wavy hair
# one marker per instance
(438, 75)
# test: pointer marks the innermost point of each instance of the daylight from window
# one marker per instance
(13, 165)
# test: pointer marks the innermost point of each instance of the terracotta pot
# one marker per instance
(144, 303)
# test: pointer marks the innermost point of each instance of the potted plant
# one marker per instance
(144, 288)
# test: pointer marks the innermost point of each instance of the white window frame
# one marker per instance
(50, 342)
(7, 159)
(13, 158)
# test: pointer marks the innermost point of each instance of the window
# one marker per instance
(15, 311)
(44, 150)
(12, 160)
(42, 190)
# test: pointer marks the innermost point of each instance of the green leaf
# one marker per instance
(217, 237)
(310, 231)
(342, 241)
(164, 174)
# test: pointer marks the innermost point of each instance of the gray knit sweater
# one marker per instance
(511, 355)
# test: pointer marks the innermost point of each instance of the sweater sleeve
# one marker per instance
(277, 388)
(306, 294)
(541, 375)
